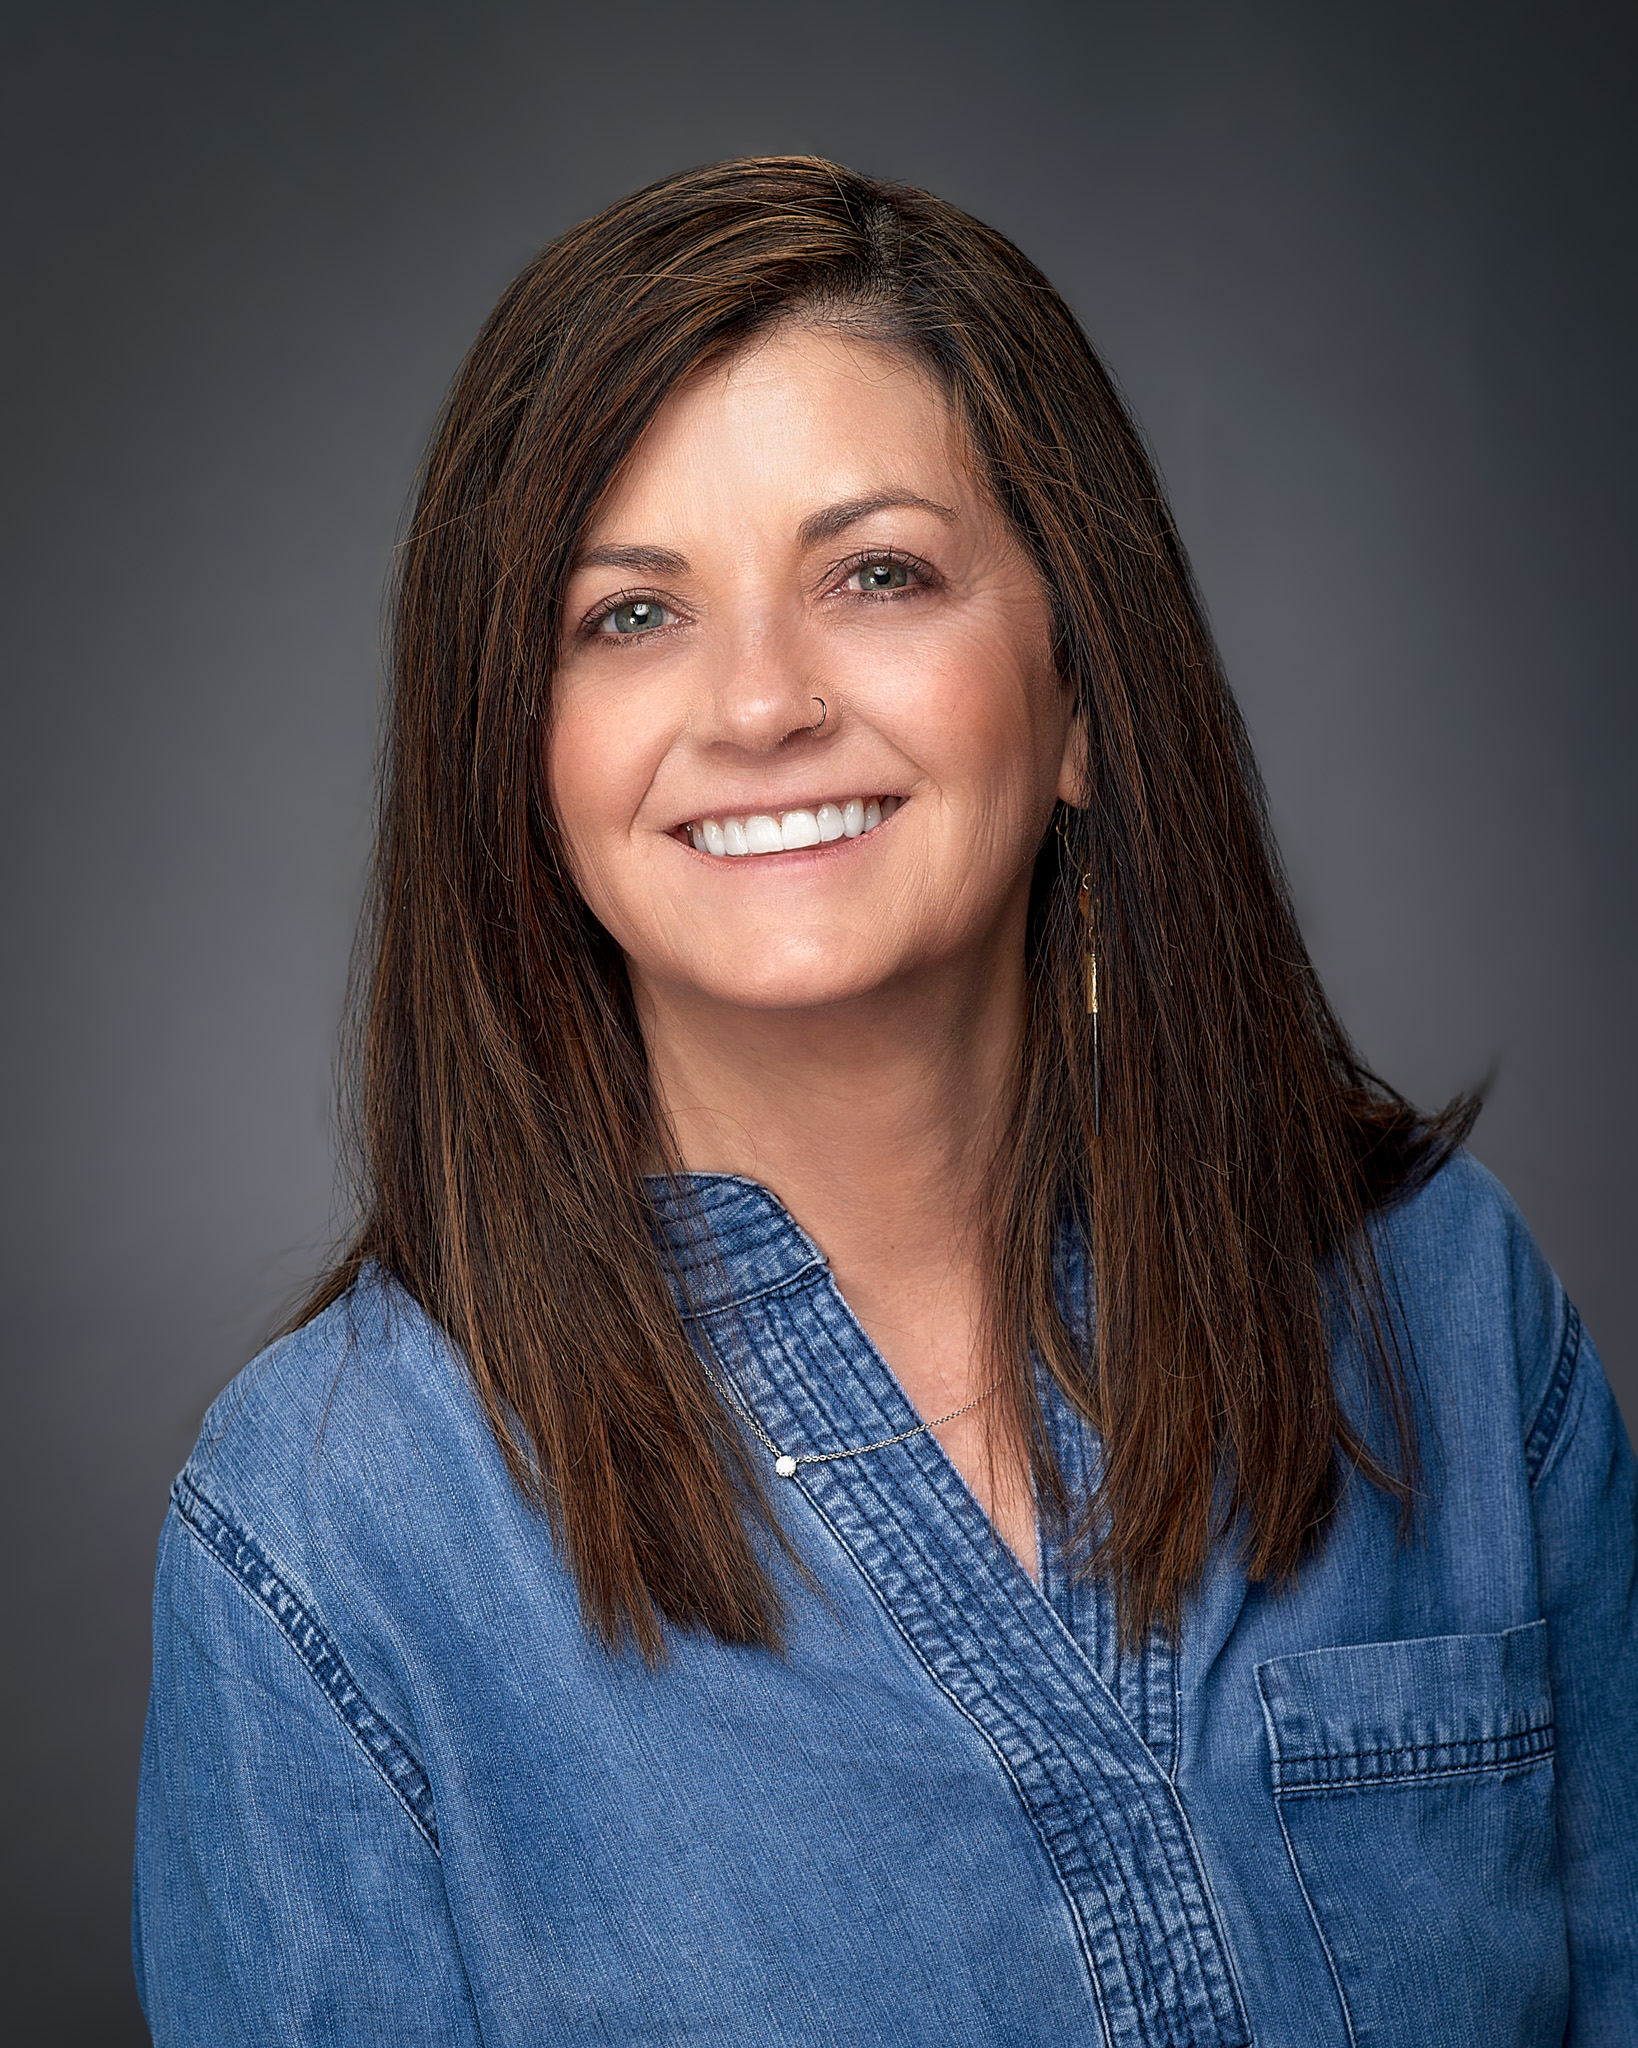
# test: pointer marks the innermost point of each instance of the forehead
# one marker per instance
(804, 415)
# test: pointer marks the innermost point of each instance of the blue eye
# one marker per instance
(876, 576)
(638, 615)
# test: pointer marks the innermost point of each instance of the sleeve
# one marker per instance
(287, 1890)
(1586, 1511)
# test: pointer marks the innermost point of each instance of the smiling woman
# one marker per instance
(825, 538)
(909, 1448)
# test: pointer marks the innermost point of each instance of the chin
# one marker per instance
(763, 980)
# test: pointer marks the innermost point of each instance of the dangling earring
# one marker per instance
(1084, 906)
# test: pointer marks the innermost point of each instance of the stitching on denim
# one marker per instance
(1177, 1720)
(1168, 1771)
(990, 1743)
(1214, 1911)
(1132, 1819)
(1539, 1442)
(1296, 1867)
(247, 1563)
(789, 1285)
(1135, 1953)
(997, 1746)
(1407, 1781)
(1323, 1756)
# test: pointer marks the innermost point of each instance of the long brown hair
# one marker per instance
(504, 1107)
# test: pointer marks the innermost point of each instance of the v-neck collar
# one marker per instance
(1035, 1667)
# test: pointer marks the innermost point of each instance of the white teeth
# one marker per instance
(793, 830)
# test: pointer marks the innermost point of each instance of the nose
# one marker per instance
(765, 694)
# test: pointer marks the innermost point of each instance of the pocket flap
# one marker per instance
(1374, 1713)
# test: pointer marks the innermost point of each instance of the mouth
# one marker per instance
(759, 832)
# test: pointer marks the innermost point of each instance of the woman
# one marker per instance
(910, 1448)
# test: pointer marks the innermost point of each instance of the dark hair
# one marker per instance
(504, 1107)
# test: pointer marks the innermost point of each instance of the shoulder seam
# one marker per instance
(244, 1559)
(1551, 1411)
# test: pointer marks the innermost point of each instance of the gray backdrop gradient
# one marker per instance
(1365, 275)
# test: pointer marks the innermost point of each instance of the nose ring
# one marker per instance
(823, 714)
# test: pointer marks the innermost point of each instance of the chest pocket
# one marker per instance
(1414, 1783)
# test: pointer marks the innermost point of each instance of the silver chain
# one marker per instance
(787, 1464)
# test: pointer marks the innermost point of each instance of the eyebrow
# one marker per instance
(653, 561)
(835, 519)
(818, 526)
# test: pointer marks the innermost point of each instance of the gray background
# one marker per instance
(1365, 275)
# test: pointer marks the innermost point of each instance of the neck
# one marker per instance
(874, 1121)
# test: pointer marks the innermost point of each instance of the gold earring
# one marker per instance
(1083, 907)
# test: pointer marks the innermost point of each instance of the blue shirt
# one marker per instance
(392, 1794)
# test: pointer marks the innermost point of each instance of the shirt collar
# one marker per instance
(728, 1239)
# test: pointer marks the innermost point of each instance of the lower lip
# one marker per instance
(824, 850)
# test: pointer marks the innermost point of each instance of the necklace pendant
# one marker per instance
(785, 1466)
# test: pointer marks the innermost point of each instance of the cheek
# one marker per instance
(595, 775)
(574, 790)
(996, 713)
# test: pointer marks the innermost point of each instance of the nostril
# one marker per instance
(815, 726)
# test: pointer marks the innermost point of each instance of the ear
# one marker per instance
(1072, 770)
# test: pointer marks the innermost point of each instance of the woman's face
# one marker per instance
(806, 734)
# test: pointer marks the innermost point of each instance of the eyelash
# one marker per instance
(926, 578)
(610, 605)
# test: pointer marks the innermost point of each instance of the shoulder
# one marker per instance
(338, 1438)
(310, 1573)
(341, 1386)
(1480, 1299)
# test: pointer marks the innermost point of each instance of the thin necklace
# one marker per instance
(787, 1465)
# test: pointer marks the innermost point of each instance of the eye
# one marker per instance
(880, 575)
(637, 615)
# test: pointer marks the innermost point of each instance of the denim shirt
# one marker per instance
(391, 1793)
